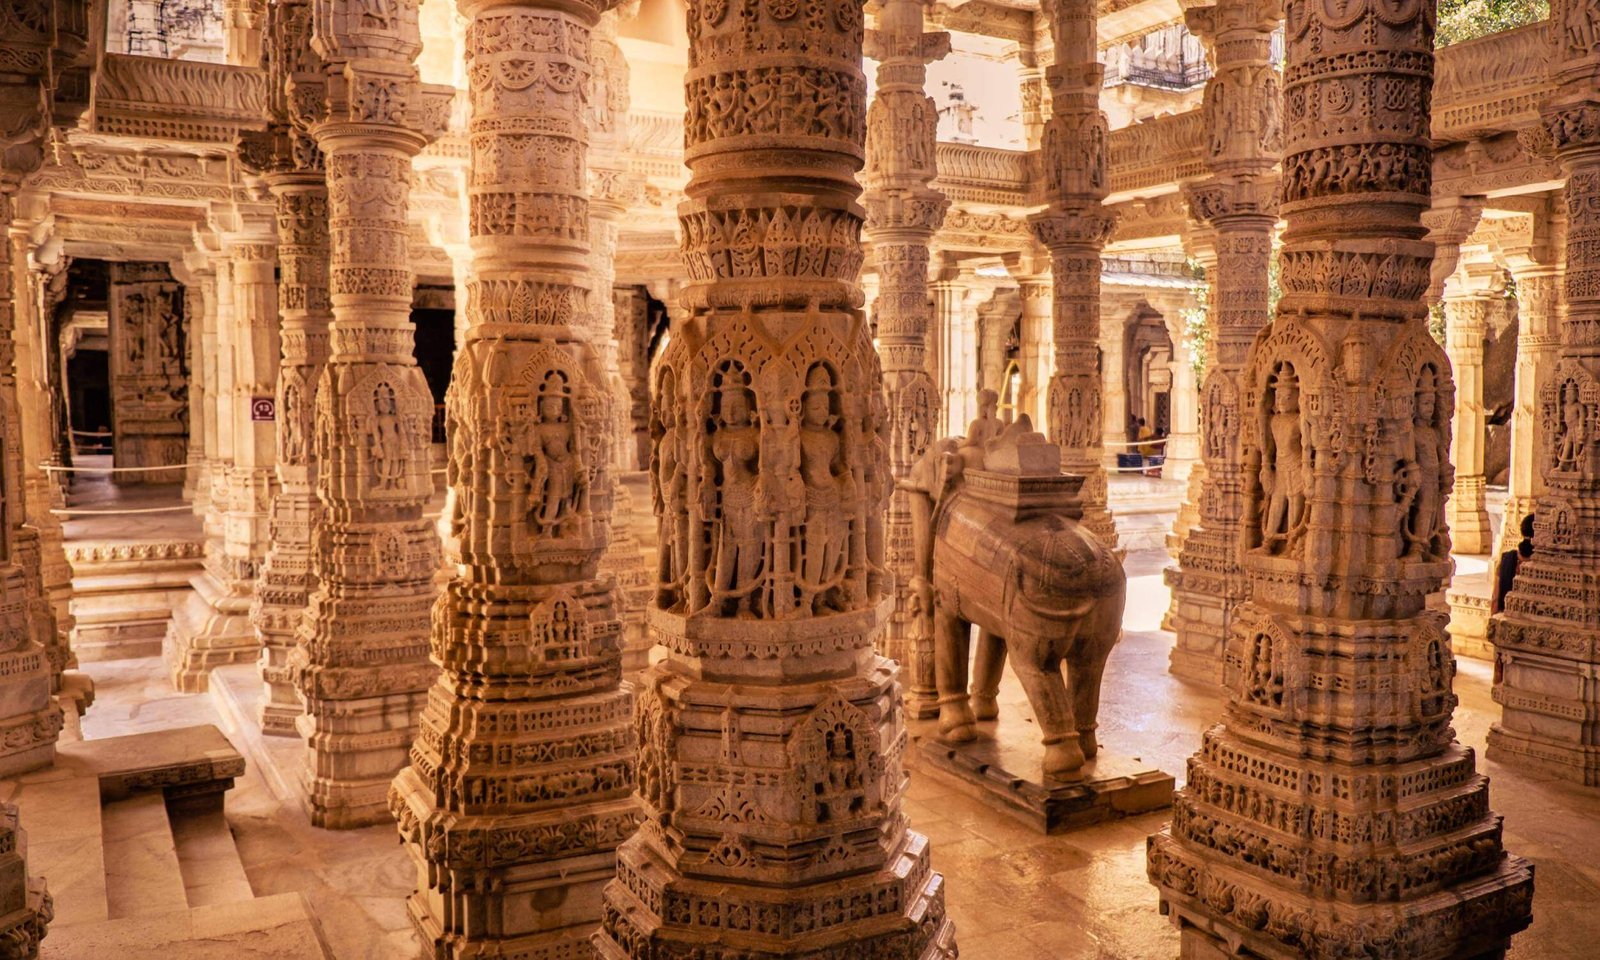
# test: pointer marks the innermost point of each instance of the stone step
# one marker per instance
(209, 859)
(143, 876)
(280, 927)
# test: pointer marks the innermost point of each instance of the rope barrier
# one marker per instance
(1134, 443)
(70, 512)
(57, 468)
(91, 433)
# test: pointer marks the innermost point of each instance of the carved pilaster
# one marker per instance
(1547, 640)
(771, 735)
(362, 659)
(1074, 227)
(1466, 315)
(1331, 812)
(1238, 203)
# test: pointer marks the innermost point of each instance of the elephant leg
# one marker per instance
(986, 668)
(1063, 758)
(1083, 682)
(951, 647)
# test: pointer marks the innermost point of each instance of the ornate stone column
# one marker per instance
(612, 189)
(1537, 270)
(30, 655)
(1547, 641)
(631, 316)
(212, 627)
(362, 660)
(770, 736)
(1182, 449)
(903, 213)
(1037, 357)
(1238, 202)
(1074, 227)
(1199, 242)
(1330, 813)
(955, 339)
(520, 782)
(1466, 312)
(36, 416)
(300, 192)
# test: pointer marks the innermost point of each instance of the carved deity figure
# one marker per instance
(1422, 502)
(988, 424)
(294, 427)
(1572, 434)
(670, 485)
(386, 440)
(1285, 466)
(829, 493)
(559, 480)
(736, 565)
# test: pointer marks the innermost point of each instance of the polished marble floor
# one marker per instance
(1015, 894)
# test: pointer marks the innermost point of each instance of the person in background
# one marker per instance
(1506, 570)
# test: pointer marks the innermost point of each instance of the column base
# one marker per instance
(211, 628)
(355, 748)
(1199, 618)
(519, 885)
(1470, 531)
(1472, 920)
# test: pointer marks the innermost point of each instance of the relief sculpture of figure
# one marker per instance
(558, 476)
(1285, 467)
(829, 490)
(386, 440)
(1426, 455)
(1039, 587)
(1574, 429)
(736, 568)
(670, 486)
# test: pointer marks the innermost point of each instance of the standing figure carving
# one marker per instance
(1285, 467)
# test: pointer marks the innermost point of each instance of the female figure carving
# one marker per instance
(670, 484)
(1285, 467)
(386, 442)
(736, 447)
(829, 487)
(1574, 435)
(1425, 461)
(558, 476)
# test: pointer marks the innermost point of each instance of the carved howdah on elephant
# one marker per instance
(999, 547)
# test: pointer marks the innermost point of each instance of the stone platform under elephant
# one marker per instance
(1004, 768)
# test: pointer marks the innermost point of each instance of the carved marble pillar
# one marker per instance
(955, 339)
(1182, 448)
(1547, 640)
(1237, 204)
(1331, 813)
(903, 213)
(30, 719)
(770, 736)
(242, 31)
(1036, 356)
(612, 189)
(1199, 242)
(212, 627)
(520, 782)
(1537, 270)
(293, 171)
(1466, 313)
(40, 490)
(1074, 227)
(361, 662)
(630, 314)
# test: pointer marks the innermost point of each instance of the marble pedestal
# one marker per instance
(1004, 768)
(33, 719)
